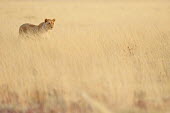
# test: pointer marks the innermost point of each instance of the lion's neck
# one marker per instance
(42, 28)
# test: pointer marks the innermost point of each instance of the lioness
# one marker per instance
(43, 27)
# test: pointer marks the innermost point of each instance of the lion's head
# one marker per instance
(49, 24)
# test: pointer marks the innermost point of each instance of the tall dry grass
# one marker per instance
(100, 57)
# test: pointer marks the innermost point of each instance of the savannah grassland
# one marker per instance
(101, 57)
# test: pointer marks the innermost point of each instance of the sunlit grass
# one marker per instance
(108, 57)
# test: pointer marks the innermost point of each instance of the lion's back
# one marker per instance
(26, 28)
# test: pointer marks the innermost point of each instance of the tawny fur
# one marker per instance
(43, 27)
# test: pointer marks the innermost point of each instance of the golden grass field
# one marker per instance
(101, 57)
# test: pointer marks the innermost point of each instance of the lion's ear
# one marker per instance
(53, 20)
(46, 20)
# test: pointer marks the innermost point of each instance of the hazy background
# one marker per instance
(100, 57)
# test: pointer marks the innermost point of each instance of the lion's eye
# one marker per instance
(48, 23)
